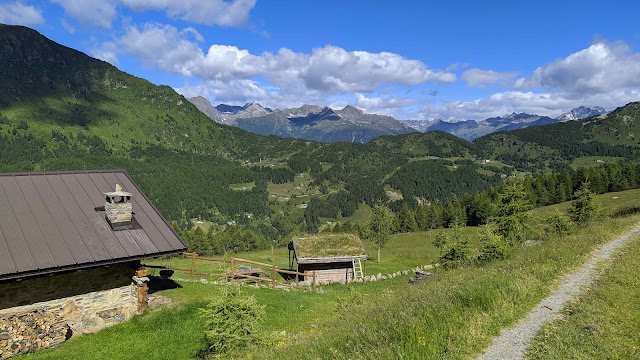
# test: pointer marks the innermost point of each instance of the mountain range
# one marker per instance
(310, 122)
(472, 129)
(63, 110)
(353, 125)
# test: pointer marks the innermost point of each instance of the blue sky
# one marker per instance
(409, 59)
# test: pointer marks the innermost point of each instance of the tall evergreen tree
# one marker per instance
(511, 212)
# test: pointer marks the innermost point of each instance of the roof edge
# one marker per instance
(34, 273)
(110, 171)
(331, 259)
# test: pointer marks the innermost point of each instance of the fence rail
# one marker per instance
(234, 274)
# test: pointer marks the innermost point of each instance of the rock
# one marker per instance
(379, 275)
(405, 272)
(384, 277)
(367, 278)
(420, 275)
(529, 243)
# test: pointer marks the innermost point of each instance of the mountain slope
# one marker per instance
(616, 134)
(306, 122)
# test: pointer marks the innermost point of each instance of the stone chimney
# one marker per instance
(117, 209)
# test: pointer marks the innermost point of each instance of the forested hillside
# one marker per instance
(61, 109)
(554, 146)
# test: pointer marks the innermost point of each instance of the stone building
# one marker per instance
(333, 257)
(70, 251)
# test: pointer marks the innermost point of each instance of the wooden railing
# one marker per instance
(235, 275)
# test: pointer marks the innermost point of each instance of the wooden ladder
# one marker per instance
(357, 269)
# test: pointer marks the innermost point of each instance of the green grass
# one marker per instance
(453, 316)
(592, 161)
(604, 323)
(243, 186)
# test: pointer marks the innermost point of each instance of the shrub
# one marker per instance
(232, 321)
(456, 250)
(440, 241)
(493, 247)
(558, 224)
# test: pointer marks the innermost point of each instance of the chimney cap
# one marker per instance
(118, 192)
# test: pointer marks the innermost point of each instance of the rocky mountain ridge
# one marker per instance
(310, 122)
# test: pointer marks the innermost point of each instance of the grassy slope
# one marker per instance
(454, 316)
(604, 323)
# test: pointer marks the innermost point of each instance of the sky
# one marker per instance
(417, 60)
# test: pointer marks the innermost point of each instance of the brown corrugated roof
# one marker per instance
(49, 222)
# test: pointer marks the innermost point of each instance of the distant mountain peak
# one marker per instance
(582, 112)
(350, 111)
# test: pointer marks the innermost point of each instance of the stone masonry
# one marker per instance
(44, 311)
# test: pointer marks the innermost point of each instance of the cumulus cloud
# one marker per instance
(385, 105)
(90, 13)
(477, 77)
(329, 69)
(70, 29)
(18, 13)
(240, 92)
(546, 103)
(209, 12)
(106, 52)
(599, 69)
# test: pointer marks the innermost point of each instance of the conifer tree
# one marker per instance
(512, 218)
(583, 208)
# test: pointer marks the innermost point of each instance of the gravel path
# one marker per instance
(513, 342)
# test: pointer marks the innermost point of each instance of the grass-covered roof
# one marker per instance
(328, 246)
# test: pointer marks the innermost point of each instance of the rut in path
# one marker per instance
(513, 342)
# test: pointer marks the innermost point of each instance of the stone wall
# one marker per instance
(44, 311)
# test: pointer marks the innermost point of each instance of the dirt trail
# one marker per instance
(513, 342)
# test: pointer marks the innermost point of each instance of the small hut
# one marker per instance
(333, 257)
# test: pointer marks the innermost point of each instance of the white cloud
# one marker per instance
(477, 77)
(90, 13)
(106, 52)
(18, 13)
(546, 103)
(599, 69)
(240, 92)
(209, 12)
(329, 69)
(385, 105)
(70, 29)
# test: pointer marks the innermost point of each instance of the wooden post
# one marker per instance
(273, 275)
(273, 256)
(231, 271)
(297, 271)
(314, 280)
(193, 265)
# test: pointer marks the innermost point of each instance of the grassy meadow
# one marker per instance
(604, 322)
(454, 315)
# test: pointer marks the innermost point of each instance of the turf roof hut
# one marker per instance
(334, 257)
(69, 248)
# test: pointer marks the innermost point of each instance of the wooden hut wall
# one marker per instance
(330, 272)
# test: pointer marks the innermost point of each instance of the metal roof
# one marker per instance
(52, 221)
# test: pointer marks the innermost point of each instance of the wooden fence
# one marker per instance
(233, 274)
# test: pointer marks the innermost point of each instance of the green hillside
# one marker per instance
(61, 109)
(555, 146)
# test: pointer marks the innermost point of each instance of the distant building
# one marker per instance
(333, 257)
(70, 251)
